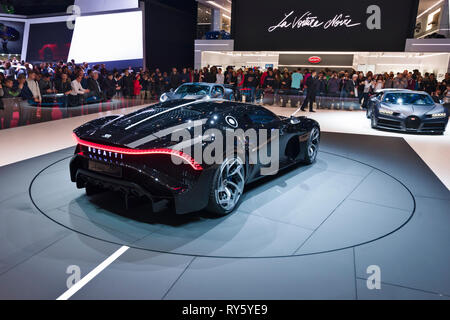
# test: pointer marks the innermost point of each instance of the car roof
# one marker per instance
(394, 90)
(225, 105)
(200, 83)
(403, 91)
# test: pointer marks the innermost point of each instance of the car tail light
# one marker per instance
(184, 156)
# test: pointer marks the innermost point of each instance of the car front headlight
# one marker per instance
(386, 111)
(439, 115)
(163, 97)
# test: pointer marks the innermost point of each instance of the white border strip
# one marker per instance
(91, 275)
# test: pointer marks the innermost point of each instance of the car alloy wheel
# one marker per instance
(313, 144)
(230, 184)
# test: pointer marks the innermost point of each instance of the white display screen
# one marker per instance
(107, 37)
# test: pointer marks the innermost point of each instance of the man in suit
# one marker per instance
(64, 86)
(351, 87)
(175, 79)
(109, 86)
(311, 85)
(127, 84)
(94, 86)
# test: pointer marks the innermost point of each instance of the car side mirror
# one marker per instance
(171, 89)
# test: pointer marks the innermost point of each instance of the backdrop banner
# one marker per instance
(326, 25)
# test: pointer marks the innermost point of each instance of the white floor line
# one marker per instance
(91, 275)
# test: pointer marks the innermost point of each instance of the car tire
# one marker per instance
(373, 121)
(368, 113)
(227, 187)
(312, 146)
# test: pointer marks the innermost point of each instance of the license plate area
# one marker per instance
(105, 168)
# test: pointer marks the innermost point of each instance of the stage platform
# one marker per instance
(311, 232)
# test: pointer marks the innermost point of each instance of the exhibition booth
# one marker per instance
(377, 62)
(375, 37)
(119, 200)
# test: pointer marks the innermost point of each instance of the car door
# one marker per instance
(259, 118)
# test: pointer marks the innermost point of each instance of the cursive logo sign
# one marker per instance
(308, 20)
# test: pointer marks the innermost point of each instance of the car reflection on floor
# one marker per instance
(15, 112)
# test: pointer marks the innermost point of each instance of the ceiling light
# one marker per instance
(218, 6)
(430, 8)
(431, 18)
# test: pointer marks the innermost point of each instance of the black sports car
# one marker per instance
(406, 110)
(136, 153)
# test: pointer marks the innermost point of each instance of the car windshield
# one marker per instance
(408, 98)
(193, 90)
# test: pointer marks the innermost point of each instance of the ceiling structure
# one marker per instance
(33, 7)
(425, 4)
(225, 5)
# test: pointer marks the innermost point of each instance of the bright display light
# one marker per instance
(386, 112)
(439, 115)
(218, 6)
(108, 37)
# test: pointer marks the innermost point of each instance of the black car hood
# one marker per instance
(151, 127)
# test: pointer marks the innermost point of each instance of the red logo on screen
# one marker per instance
(315, 60)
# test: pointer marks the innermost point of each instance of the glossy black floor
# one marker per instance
(309, 233)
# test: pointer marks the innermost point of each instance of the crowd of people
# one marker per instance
(74, 84)
(281, 85)
(69, 83)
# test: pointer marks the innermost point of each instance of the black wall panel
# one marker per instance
(170, 30)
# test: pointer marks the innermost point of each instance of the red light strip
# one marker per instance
(187, 158)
